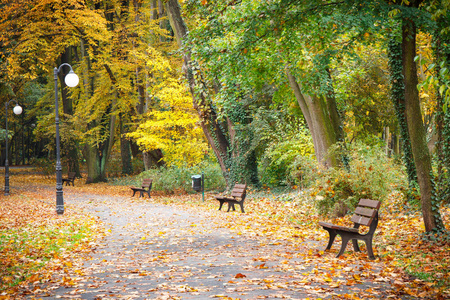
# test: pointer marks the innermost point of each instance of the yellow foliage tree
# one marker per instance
(173, 127)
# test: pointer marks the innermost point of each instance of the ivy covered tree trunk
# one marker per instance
(96, 164)
(398, 99)
(422, 158)
(97, 155)
(444, 158)
(93, 168)
(233, 162)
(441, 51)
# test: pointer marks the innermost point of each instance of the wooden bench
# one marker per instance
(237, 197)
(145, 188)
(70, 178)
(366, 214)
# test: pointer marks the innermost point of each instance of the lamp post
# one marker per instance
(17, 110)
(71, 80)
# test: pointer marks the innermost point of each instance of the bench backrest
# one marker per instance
(71, 175)
(239, 191)
(366, 212)
(147, 183)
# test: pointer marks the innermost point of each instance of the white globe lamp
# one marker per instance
(71, 79)
(17, 109)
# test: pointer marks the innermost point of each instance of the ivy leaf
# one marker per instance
(442, 89)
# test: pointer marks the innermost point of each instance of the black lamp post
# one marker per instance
(71, 80)
(17, 110)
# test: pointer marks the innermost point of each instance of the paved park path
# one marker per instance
(157, 251)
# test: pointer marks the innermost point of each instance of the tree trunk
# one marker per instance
(322, 119)
(97, 155)
(70, 148)
(422, 158)
(237, 161)
(125, 151)
(442, 121)
(153, 159)
(397, 95)
(386, 135)
(208, 118)
(95, 173)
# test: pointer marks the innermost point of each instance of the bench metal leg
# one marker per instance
(332, 235)
(355, 245)
(221, 203)
(242, 207)
(345, 240)
(369, 248)
(346, 237)
(231, 205)
(134, 193)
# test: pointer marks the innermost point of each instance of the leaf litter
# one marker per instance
(178, 247)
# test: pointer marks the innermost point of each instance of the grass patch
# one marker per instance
(32, 235)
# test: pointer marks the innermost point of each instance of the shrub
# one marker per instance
(44, 166)
(370, 175)
(303, 171)
(280, 164)
(178, 179)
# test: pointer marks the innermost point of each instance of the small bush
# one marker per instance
(303, 171)
(370, 175)
(178, 179)
(44, 166)
(283, 156)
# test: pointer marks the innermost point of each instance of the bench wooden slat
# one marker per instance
(367, 212)
(240, 186)
(361, 220)
(369, 203)
(334, 226)
(146, 183)
(237, 194)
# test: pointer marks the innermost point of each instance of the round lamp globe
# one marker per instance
(71, 79)
(17, 109)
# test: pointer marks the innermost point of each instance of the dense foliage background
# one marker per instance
(346, 99)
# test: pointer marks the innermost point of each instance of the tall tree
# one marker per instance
(439, 80)
(219, 133)
(398, 99)
(416, 129)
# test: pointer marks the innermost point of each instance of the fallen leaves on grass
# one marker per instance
(32, 236)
